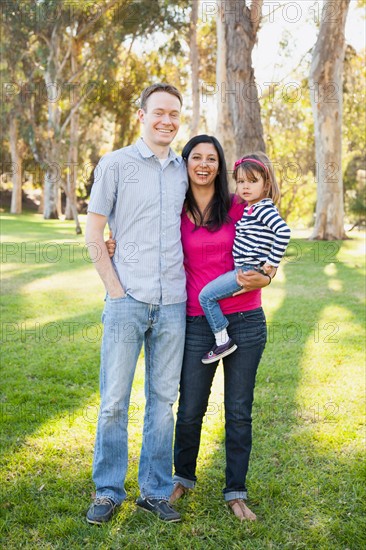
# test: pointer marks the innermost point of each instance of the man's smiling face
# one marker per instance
(161, 119)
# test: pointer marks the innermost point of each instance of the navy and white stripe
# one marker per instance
(143, 201)
(261, 235)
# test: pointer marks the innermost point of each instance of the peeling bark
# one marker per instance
(224, 127)
(239, 89)
(16, 159)
(52, 177)
(326, 98)
(71, 212)
(193, 57)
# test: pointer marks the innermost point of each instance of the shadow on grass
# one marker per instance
(296, 486)
(29, 224)
(53, 381)
(36, 263)
(305, 495)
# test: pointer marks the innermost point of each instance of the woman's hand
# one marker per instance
(111, 245)
(251, 280)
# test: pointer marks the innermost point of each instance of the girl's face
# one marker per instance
(203, 165)
(250, 191)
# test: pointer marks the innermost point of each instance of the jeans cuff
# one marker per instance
(222, 328)
(235, 494)
(188, 483)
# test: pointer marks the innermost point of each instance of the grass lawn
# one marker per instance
(306, 478)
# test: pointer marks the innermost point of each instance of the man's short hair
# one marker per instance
(161, 87)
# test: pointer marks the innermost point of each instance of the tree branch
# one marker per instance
(67, 55)
(278, 7)
(78, 72)
(32, 138)
(73, 110)
(45, 39)
(266, 93)
(88, 26)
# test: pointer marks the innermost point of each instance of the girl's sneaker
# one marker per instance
(218, 352)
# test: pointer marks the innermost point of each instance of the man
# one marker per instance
(140, 191)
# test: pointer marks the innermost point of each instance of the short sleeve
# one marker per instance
(103, 194)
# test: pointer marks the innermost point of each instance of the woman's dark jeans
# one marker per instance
(248, 330)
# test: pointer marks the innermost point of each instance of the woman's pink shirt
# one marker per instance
(207, 255)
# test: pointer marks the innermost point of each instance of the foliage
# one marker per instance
(289, 133)
(355, 190)
(116, 61)
(105, 84)
(289, 129)
(357, 206)
(354, 110)
(357, 163)
(207, 46)
(354, 122)
(306, 481)
(13, 69)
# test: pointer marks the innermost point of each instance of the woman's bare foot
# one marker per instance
(178, 491)
(241, 510)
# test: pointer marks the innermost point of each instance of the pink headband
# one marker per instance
(246, 159)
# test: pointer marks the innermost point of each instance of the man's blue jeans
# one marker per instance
(240, 368)
(222, 287)
(127, 325)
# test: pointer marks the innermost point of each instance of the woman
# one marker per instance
(208, 231)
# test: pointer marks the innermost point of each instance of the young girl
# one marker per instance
(260, 242)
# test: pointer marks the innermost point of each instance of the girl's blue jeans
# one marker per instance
(240, 368)
(222, 287)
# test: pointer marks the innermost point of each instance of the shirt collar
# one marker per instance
(260, 203)
(146, 152)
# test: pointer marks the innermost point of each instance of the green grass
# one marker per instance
(306, 479)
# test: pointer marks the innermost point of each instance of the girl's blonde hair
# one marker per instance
(264, 167)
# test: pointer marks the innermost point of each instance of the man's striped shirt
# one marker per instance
(143, 201)
(261, 235)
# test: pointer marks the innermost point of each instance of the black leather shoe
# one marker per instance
(101, 510)
(161, 508)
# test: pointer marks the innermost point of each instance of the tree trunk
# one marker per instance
(51, 192)
(52, 178)
(193, 56)
(71, 201)
(326, 99)
(224, 128)
(241, 26)
(16, 159)
(71, 212)
(40, 209)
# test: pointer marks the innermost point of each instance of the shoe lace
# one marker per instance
(154, 501)
(168, 505)
(103, 500)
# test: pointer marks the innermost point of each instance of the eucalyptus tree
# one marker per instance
(326, 75)
(239, 116)
(75, 47)
(13, 48)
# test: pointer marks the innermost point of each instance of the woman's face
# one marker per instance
(203, 165)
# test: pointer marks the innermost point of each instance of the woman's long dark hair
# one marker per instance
(216, 212)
